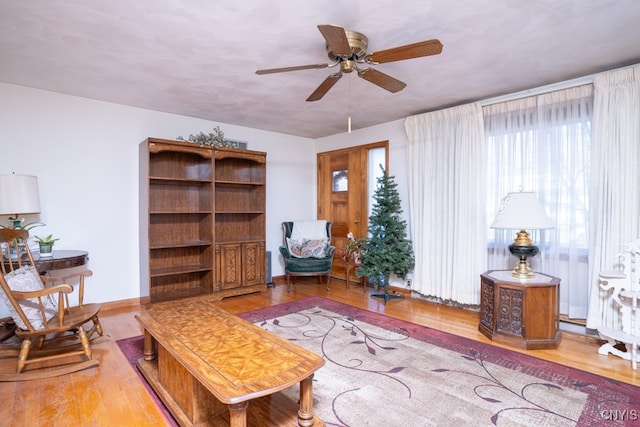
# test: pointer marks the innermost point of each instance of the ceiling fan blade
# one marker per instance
(324, 87)
(381, 79)
(285, 69)
(415, 50)
(336, 38)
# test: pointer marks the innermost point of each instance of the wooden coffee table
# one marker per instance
(202, 360)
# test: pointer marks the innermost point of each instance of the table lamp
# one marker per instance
(522, 210)
(19, 195)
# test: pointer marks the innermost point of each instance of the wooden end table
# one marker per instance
(59, 260)
(348, 266)
(520, 313)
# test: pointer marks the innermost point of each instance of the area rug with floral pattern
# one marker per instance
(382, 371)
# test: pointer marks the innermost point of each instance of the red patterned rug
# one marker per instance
(133, 349)
(383, 371)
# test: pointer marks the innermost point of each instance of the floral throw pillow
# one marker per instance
(27, 279)
(307, 248)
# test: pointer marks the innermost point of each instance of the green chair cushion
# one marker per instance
(307, 265)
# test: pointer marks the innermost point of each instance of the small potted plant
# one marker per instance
(46, 244)
(351, 252)
(18, 224)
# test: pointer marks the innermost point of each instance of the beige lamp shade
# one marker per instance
(19, 194)
(522, 210)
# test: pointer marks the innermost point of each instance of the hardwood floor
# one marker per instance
(112, 394)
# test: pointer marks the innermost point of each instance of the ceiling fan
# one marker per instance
(348, 49)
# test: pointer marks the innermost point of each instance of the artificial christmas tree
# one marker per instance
(387, 249)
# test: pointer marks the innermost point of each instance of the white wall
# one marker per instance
(85, 154)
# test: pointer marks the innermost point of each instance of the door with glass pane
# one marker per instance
(345, 178)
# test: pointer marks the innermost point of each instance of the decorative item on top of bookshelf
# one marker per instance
(214, 139)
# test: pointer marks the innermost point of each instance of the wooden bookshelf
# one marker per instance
(202, 220)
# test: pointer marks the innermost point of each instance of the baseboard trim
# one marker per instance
(121, 304)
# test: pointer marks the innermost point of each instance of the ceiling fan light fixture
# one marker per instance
(348, 66)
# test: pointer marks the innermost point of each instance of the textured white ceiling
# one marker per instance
(198, 57)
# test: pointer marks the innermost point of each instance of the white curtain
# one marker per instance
(615, 184)
(447, 206)
(542, 144)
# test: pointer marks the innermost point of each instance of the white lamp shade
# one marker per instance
(522, 211)
(19, 194)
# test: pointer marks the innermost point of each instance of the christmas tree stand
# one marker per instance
(387, 296)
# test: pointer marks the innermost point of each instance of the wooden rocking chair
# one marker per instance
(45, 321)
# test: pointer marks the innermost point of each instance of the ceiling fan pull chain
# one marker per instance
(349, 109)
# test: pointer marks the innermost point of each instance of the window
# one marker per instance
(543, 144)
(376, 157)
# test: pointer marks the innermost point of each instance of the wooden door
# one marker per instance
(343, 197)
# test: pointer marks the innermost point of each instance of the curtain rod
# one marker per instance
(538, 90)
(546, 88)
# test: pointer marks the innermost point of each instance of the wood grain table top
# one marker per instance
(234, 359)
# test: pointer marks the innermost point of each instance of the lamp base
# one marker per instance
(522, 270)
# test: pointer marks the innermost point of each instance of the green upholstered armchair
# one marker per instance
(307, 250)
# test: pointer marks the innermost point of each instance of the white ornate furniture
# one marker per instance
(620, 290)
